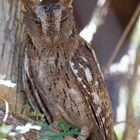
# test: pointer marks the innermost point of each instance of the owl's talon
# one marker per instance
(54, 127)
(81, 138)
(84, 134)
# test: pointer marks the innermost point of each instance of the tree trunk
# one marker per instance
(132, 123)
(11, 49)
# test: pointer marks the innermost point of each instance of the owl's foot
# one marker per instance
(54, 127)
(70, 138)
(84, 134)
(81, 138)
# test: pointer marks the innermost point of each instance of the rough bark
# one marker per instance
(11, 47)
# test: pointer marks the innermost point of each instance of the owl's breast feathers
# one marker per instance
(81, 59)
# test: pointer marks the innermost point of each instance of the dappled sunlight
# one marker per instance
(88, 32)
(5, 82)
(122, 66)
(97, 19)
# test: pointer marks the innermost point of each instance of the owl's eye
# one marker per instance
(30, 1)
(58, 6)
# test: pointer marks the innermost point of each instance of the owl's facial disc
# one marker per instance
(50, 17)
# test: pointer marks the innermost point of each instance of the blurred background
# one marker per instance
(112, 27)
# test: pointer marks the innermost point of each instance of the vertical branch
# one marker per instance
(124, 36)
(131, 125)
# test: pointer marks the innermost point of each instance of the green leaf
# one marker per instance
(44, 126)
(44, 137)
(2, 135)
(59, 138)
(52, 133)
(64, 126)
(51, 136)
(75, 131)
(5, 130)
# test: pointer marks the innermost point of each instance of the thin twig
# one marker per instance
(135, 120)
(6, 110)
(124, 35)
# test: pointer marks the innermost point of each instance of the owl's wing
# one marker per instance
(31, 88)
(87, 71)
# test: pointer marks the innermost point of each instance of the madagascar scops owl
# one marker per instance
(62, 75)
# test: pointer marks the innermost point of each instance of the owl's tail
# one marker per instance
(99, 136)
(96, 136)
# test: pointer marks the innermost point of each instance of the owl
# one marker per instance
(62, 76)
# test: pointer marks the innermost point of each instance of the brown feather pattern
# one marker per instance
(62, 75)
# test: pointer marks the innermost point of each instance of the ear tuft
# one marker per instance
(66, 3)
(30, 5)
(69, 3)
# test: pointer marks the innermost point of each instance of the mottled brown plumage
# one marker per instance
(62, 75)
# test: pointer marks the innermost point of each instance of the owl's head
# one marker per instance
(51, 15)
